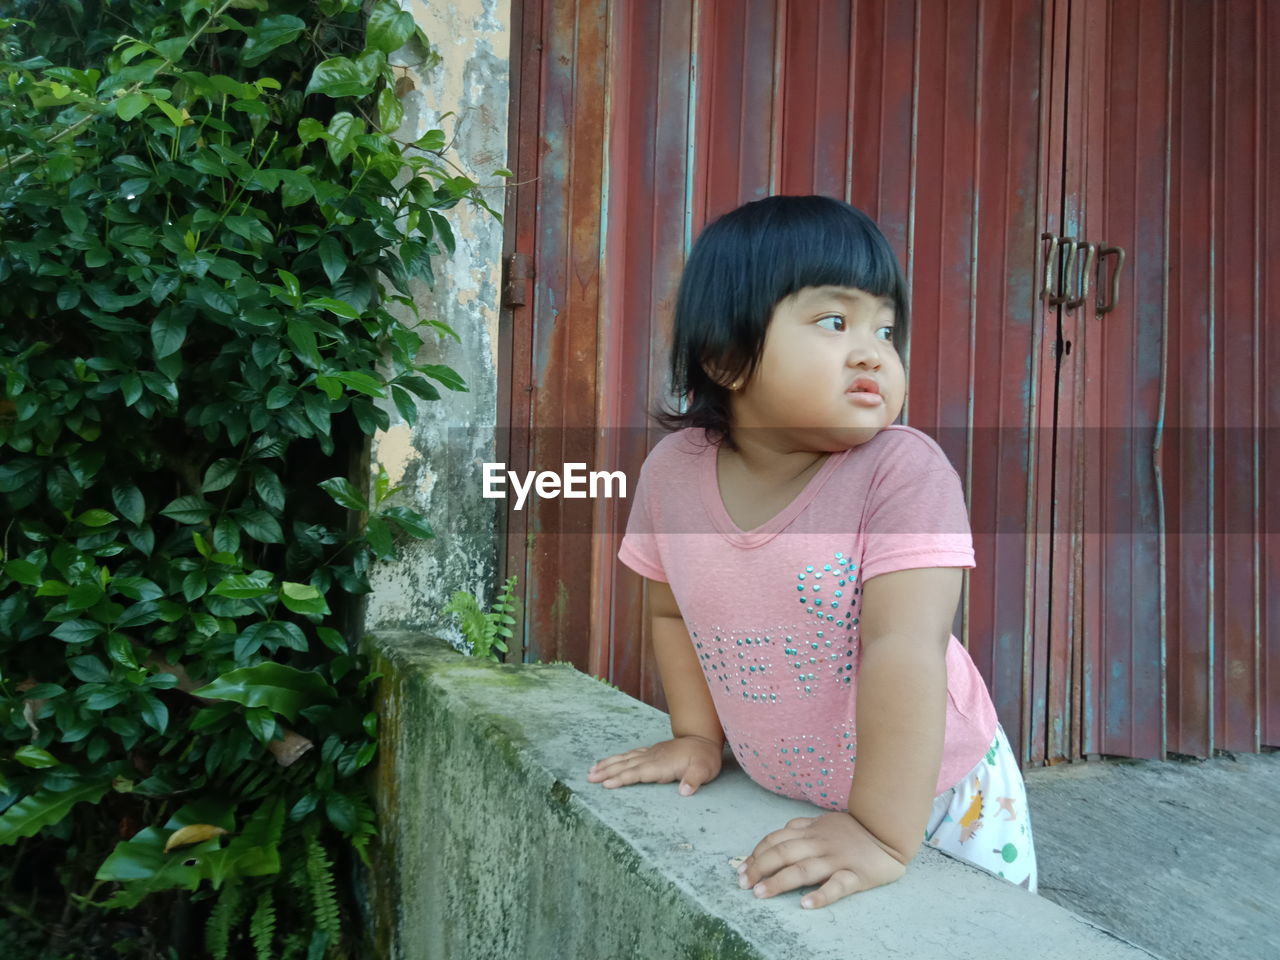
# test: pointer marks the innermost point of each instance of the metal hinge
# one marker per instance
(517, 269)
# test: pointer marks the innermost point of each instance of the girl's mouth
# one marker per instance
(865, 392)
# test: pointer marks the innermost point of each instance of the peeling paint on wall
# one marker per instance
(437, 460)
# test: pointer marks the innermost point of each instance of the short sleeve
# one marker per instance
(640, 548)
(917, 518)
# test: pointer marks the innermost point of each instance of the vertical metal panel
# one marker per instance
(650, 82)
(1191, 373)
(1240, 171)
(1047, 593)
(1115, 369)
(558, 342)
(1169, 167)
(1267, 309)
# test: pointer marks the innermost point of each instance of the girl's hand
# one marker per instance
(833, 850)
(691, 760)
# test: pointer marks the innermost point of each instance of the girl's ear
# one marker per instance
(723, 379)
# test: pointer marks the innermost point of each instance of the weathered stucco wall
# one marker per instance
(438, 459)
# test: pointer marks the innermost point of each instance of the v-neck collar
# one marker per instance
(724, 524)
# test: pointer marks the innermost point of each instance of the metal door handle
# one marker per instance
(1050, 261)
(1057, 299)
(1082, 278)
(1103, 253)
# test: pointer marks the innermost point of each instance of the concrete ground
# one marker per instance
(1181, 858)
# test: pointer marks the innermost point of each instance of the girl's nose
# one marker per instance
(864, 350)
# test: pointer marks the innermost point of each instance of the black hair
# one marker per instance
(739, 269)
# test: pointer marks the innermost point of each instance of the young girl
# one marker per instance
(803, 556)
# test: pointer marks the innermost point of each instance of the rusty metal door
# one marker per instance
(1169, 633)
(969, 129)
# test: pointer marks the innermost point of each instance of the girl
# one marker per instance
(804, 556)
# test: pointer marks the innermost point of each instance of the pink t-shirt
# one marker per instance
(773, 612)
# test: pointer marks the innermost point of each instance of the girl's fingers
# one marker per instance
(601, 766)
(775, 860)
(619, 756)
(840, 885)
(806, 873)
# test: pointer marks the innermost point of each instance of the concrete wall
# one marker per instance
(438, 459)
(493, 844)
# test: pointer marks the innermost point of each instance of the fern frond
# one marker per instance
(262, 928)
(324, 902)
(223, 918)
(472, 621)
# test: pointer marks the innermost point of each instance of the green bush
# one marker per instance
(205, 223)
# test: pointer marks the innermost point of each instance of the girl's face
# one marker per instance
(829, 375)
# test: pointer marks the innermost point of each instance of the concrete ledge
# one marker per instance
(494, 845)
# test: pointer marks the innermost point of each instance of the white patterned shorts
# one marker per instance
(984, 821)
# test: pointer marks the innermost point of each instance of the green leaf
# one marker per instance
(339, 77)
(389, 27)
(167, 334)
(77, 631)
(344, 128)
(217, 299)
(285, 690)
(23, 572)
(444, 230)
(445, 375)
(303, 336)
(120, 650)
(33, 813)
(154, 714)
(130, 106)
(137, 588)
(332, 639)
(309, 128)
(226, 536)
(244, 586)
(261, 722)
(130, 389)
(271, 32)
(361, 383)
(291, 284)
(409, 521)
(140, 614)
(390, 110)
(250, 228)
(345, 493)
(304, 599)
(129, 501)
(96, 518)
(76, 219)
(379, 535)
(260, 525)
(36, 758)
(344, 310)
(220, 475)
(189, 510)
(89, 669)
(269, 488)
(280, 397)
(83, 596)
(334, 262)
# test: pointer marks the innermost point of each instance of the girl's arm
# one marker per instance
(693, 713)
(693, 755)
(902, 702)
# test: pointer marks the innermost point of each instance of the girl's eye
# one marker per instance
(885, 333)
(837, 323)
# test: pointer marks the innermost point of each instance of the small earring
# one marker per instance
(736, 385)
